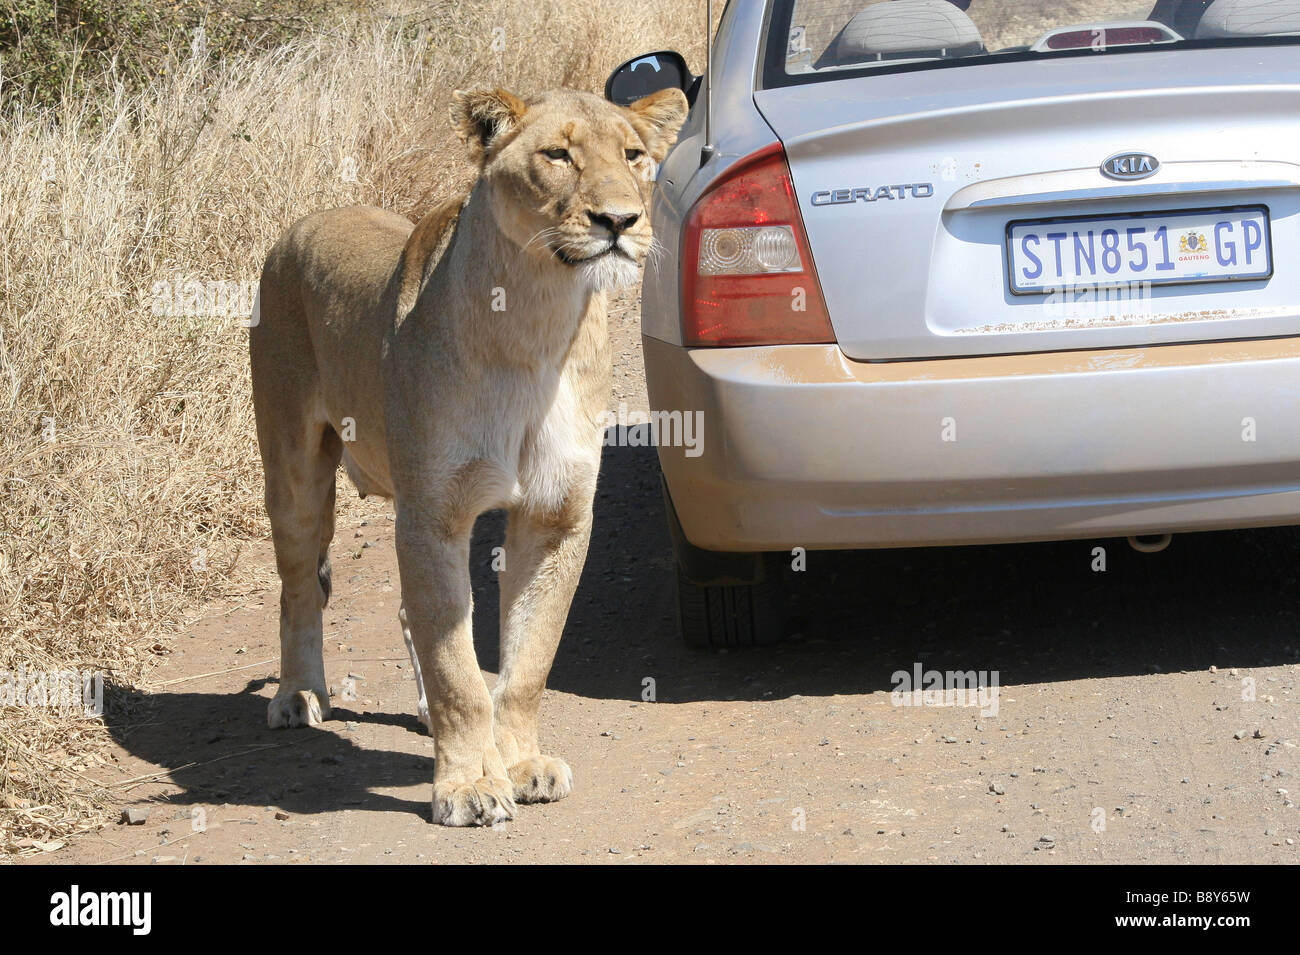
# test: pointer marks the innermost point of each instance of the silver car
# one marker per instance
(973, 271)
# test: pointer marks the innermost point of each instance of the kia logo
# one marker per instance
(1130, 166)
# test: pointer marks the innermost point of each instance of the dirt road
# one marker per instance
(1114, 739)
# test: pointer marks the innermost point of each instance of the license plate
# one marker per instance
(1166, 248)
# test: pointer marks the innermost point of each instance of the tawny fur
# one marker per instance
(458, 366)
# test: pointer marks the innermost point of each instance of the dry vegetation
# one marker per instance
(129, 475)
(1005, 23)
(1002, 23)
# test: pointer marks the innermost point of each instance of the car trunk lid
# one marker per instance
(912, 183)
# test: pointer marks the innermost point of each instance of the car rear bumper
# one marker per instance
(798, 446)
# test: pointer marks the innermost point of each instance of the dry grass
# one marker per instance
(1002, 23)
(129, 476)
(1007, 23)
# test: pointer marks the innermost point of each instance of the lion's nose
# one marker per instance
(614, 222)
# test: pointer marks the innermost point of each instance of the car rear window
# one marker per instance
(811, 40)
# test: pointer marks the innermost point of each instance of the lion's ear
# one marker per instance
(658, 118)
(482, 117)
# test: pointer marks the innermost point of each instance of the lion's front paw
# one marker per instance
(484, 802)
(292, 708)
(541, 779)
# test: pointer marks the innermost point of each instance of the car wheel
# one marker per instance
(724, 615)
(723, 599)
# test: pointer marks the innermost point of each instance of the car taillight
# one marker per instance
(747, 275)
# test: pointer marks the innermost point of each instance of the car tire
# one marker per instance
(724, 600)
(724, 615)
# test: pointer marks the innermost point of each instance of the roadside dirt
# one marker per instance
(1114, 740)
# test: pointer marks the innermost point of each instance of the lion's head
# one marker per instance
(569, 174)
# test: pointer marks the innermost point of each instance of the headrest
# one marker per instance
(1249, 18)
(906, 26)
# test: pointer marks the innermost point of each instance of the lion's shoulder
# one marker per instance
(425, 247)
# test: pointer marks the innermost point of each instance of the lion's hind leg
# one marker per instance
(300, 465)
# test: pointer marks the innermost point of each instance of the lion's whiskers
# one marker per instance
(547, 232)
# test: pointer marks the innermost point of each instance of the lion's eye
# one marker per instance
(633, 154)
(557, 155)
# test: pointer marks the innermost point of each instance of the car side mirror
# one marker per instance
(650, 73)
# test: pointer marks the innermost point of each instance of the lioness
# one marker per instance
(458, 366)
